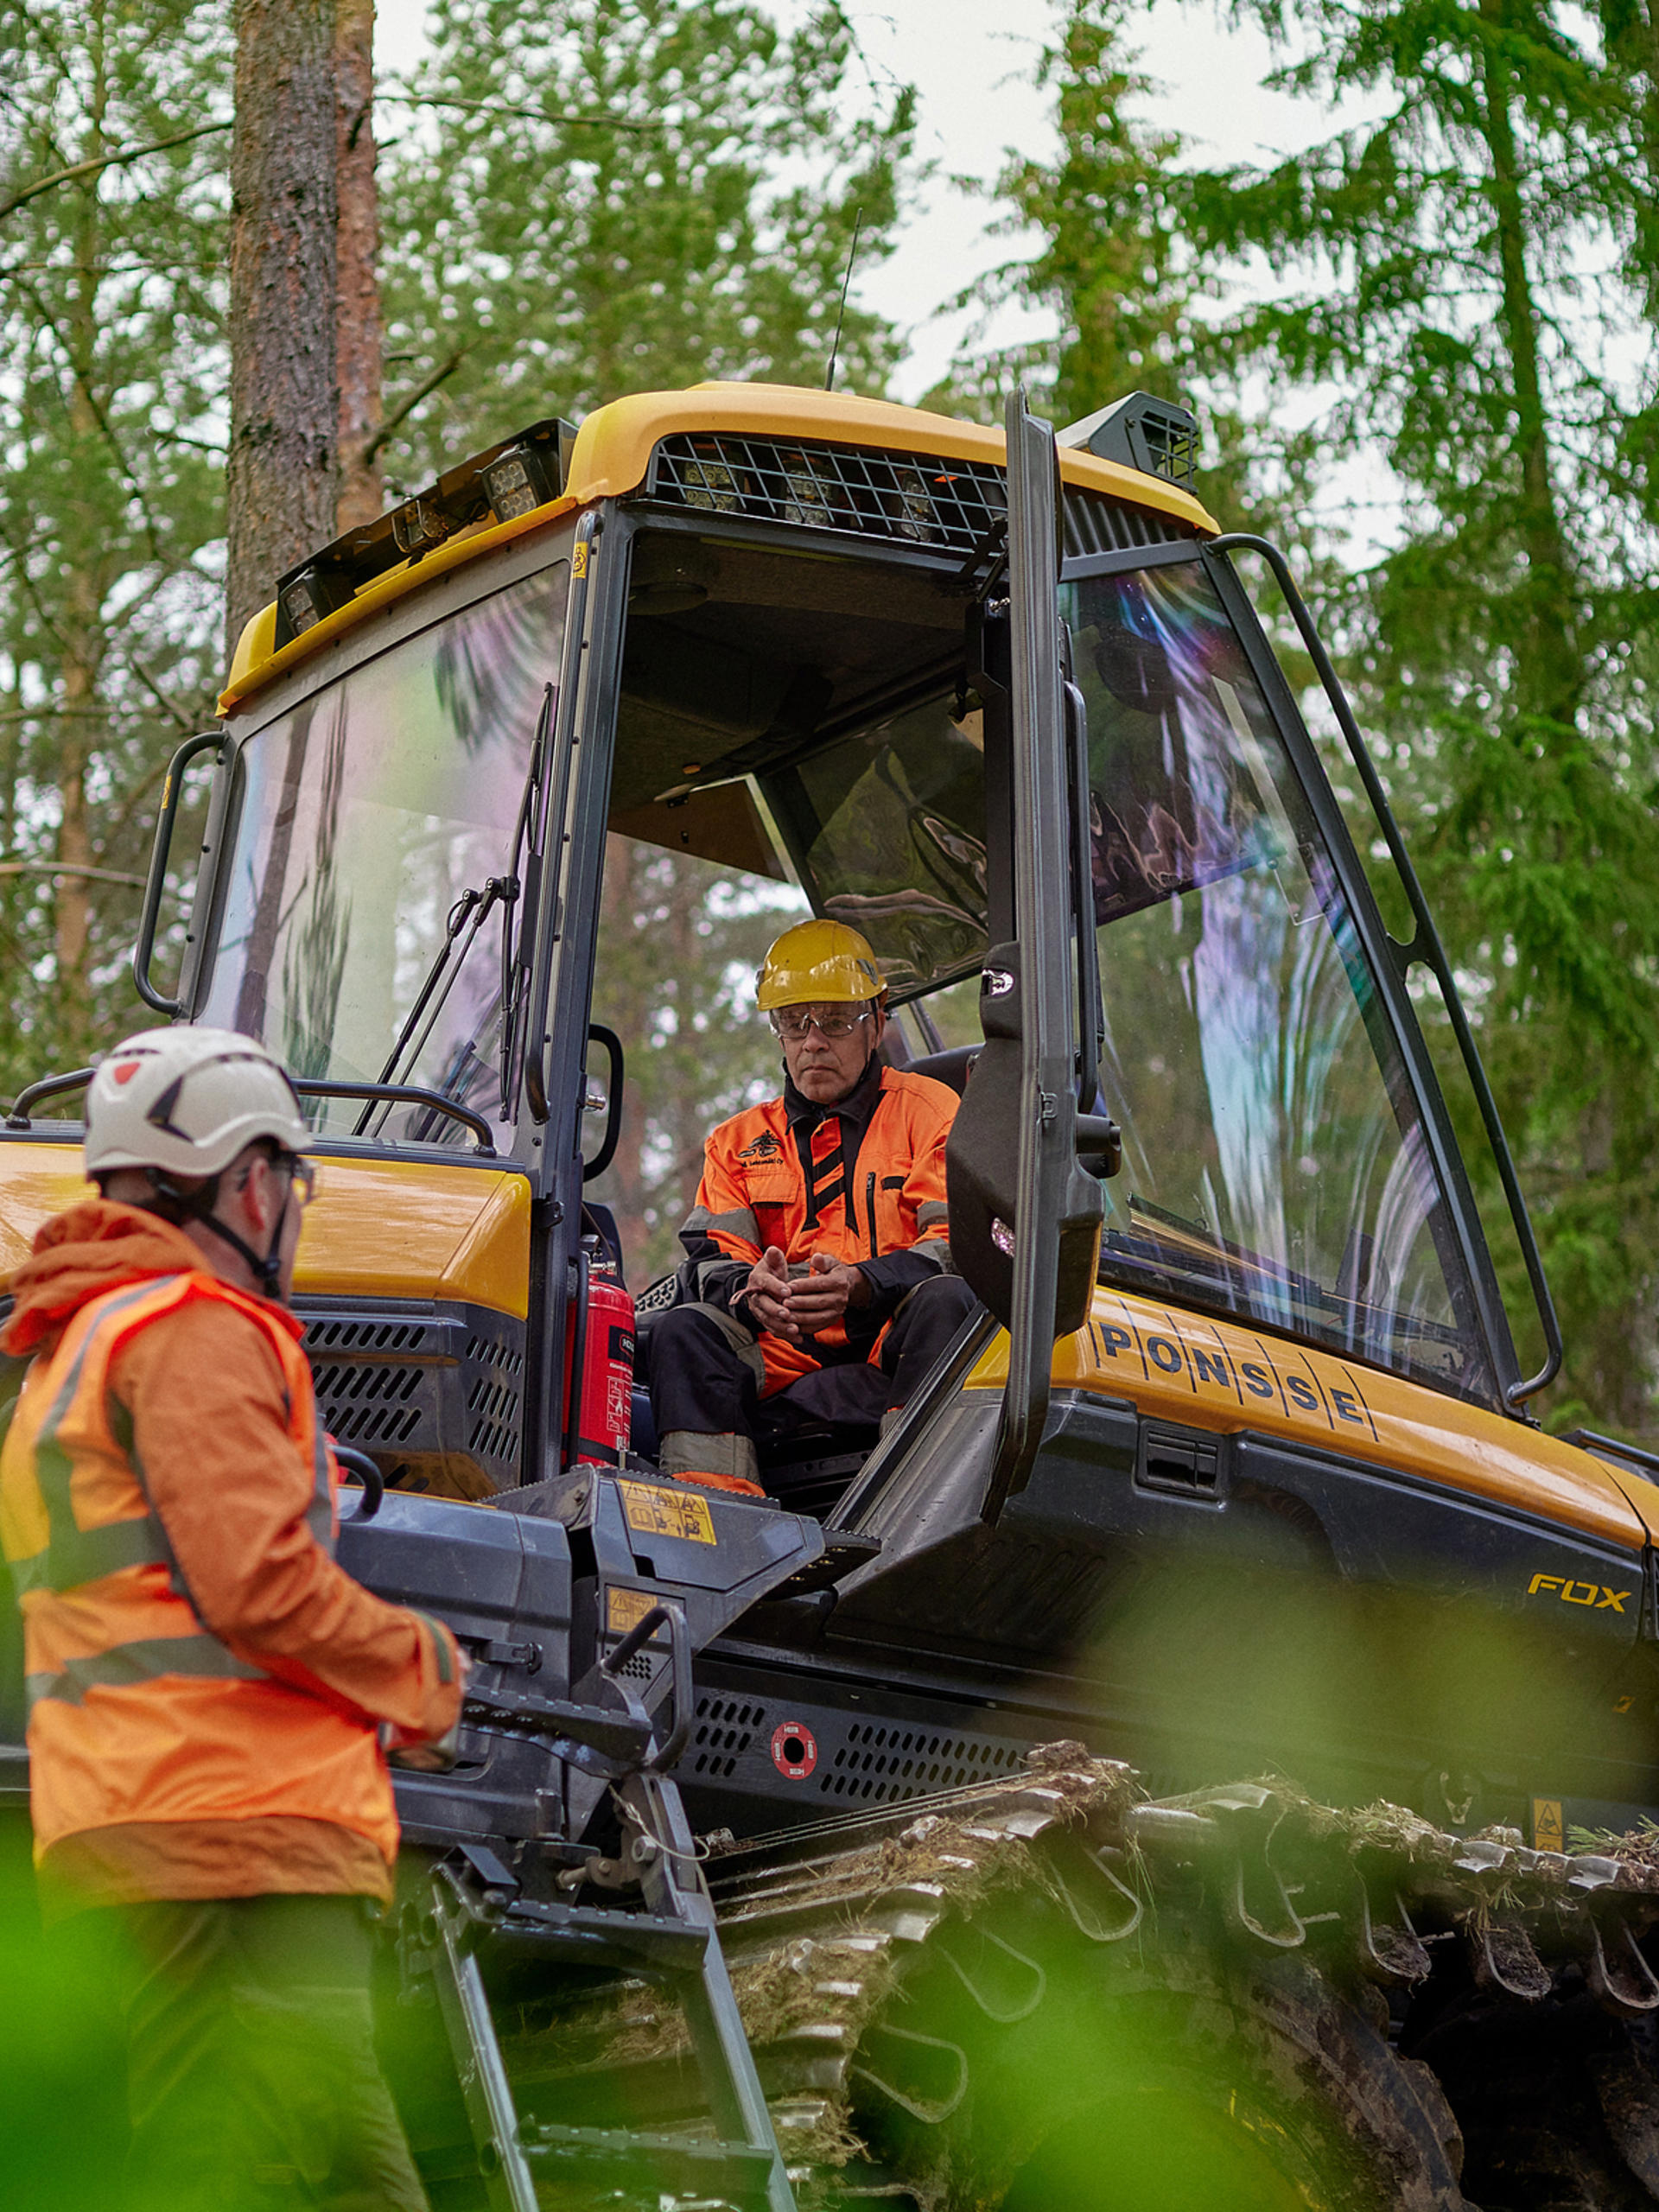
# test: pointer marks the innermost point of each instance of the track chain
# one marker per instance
(822, 1928)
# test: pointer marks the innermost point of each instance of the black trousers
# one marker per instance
(252, 2082)
(702, 1380)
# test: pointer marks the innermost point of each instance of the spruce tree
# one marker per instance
(1458, 274)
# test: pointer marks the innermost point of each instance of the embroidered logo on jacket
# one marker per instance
(764, 1147)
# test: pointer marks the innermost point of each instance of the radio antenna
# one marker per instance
(841, 312)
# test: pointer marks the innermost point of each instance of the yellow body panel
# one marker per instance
(412, 1228)
(37, 1181)
(1177, 1366)
(377, 1228)
(613, 452)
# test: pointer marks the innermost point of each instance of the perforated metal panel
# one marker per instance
(446, 1382)
(726, 1729)
(877, 1764)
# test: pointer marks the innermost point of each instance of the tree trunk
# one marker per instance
(1550, 668)
(281, 471)
(357, 245)
(83, 637)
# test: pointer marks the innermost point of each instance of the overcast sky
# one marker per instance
(969, 59)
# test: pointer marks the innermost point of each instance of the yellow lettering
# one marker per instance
(1613, 1601)
(1538, 1582)
(1569, 1592)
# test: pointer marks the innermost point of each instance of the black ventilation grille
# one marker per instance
(878, 1764)
(494, 1396)
(1096, 524)
(726, 1729)
(369, 1405)
(447, 1383)
(361, 1336)
(922, 500)
(927, 500)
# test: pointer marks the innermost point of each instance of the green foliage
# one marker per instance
(533, 265)
(1111, 265)
(110, 322)
(1458, 276)
(606, 196)
(680, 940)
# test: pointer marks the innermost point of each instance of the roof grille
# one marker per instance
(927, 500)
(923, 498)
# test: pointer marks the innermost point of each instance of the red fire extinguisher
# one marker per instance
(598, 1362)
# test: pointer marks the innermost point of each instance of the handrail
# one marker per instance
(156, 883)
(53, 1086)
(372, 1481)
(1591, 1440)
(594, 1168)
(1429, 949)
(49, 1086)
(412, 1094)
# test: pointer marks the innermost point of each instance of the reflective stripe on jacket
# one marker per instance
(137, 1712)
(799, 1184)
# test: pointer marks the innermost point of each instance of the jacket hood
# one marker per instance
(93, 1246)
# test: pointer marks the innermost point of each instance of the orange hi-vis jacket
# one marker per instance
(202, 1717)
(862, 1182)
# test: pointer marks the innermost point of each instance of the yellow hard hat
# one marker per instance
(818, 960)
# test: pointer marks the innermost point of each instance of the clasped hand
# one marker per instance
(811, 1302)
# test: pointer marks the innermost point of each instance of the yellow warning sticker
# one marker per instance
(1547, 1833)
(624, 1608)
(658, 1512)
(579, 559)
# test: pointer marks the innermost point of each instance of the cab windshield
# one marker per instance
(366, 827)
(1275, 1166)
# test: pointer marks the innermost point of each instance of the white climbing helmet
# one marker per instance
(188, 1101)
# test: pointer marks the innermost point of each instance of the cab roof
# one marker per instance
(612, 456)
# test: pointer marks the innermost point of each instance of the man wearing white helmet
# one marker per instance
(208, 1688)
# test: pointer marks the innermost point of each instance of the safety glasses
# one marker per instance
(301, 1173)
(791, 1025)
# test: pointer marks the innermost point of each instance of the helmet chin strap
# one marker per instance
(198, 1205)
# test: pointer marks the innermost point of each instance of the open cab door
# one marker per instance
(1025, 1216)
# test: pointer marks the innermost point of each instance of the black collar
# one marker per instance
(856, 1106)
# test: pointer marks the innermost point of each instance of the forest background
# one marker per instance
(567, 200)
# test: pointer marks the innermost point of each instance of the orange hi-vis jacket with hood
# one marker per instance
(204, 1681)
(861, 1181)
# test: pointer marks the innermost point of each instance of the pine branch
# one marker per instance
(501, 107)
(103, 162)
(401, 414)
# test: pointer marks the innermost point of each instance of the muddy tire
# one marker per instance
(1558, 2104)
(1024, 2066)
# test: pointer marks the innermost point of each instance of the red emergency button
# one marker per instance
(794, 1751)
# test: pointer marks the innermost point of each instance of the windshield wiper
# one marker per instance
(466, 919)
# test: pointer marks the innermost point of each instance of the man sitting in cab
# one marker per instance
(818, 1264)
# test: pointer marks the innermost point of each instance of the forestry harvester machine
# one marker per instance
(1142, 1777)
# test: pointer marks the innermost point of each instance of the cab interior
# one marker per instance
(795, 734)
